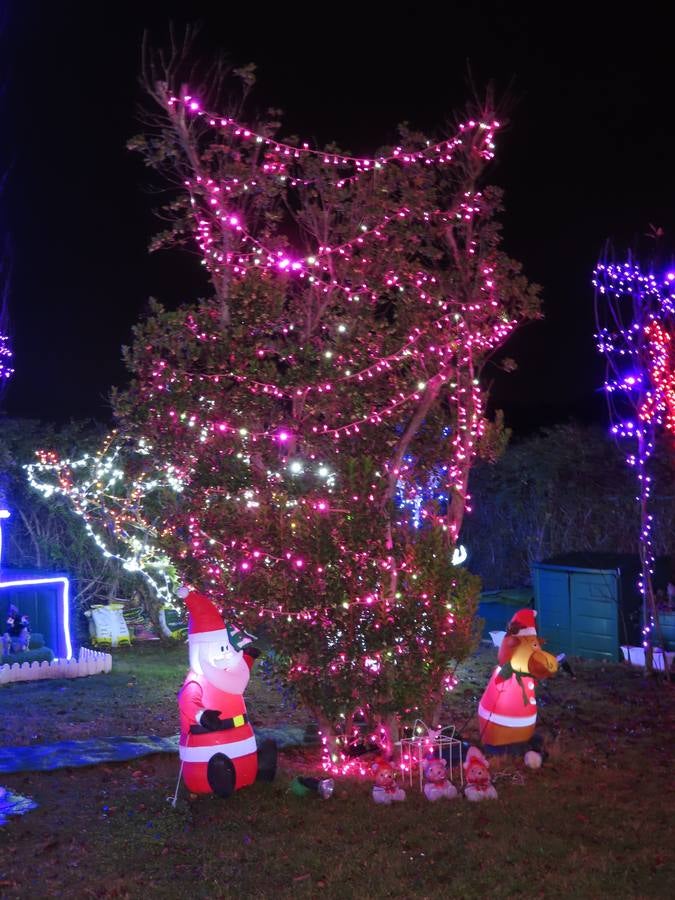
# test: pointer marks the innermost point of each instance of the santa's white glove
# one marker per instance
(183, 591)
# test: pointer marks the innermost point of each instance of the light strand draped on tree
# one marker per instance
(331, 383)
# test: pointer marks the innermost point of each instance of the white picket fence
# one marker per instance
(661, 660)
(88, 662)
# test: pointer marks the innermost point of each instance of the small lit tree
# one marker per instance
(635, 312)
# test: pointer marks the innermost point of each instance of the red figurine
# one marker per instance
(477, 773)
(385, 789)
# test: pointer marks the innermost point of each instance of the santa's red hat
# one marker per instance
(524, 622)
(205, 624)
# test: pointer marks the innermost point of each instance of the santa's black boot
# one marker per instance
(221, 775)
(267, 760)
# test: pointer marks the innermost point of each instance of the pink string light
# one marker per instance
(440, 152)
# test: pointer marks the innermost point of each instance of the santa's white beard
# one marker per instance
(232, 681)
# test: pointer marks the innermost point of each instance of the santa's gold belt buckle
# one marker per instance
(237, 721)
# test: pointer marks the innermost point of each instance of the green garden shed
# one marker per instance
(588, 604)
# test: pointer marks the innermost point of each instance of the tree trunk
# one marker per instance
(163, 628)
(391, 726)
(156, 613)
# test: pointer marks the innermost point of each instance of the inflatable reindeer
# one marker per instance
(507, 711)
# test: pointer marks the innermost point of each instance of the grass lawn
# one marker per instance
(595, 821)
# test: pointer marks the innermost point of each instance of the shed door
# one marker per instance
(594, 613)
(553, 610)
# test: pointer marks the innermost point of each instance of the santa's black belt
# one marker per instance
(223, 725)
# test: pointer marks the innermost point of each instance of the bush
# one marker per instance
(42, 654)
(564, 489)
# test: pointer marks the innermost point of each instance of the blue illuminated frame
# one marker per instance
(61, 580)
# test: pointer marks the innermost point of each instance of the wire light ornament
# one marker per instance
(635, 316)
(425, 743)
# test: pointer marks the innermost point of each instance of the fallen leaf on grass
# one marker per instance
(49, 845)
(302, 877)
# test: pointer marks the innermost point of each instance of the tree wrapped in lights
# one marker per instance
(330, 383)
(635, 312)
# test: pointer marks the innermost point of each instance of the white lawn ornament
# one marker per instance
(459, 555)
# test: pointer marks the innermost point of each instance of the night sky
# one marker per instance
(587, 157)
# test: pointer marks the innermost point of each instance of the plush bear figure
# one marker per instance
(21, 640)
(385, 789)
(477, 774)
(16, 638)
(437, 784)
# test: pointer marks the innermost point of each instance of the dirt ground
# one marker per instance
(595, 820)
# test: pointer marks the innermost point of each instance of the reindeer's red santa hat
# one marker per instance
(523, 623)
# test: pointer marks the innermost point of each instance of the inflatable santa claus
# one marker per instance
(218, 749)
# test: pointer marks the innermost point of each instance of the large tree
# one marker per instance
(314, 420)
